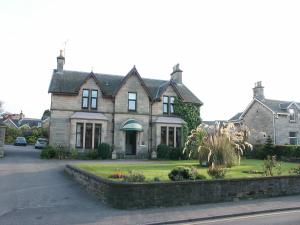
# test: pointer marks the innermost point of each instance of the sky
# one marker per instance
(223, 47)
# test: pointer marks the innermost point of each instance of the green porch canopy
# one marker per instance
(131, 125)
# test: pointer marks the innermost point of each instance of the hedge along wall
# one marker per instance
(143, 195)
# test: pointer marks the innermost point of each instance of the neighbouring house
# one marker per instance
(132, 114)
(20, 121)
(267, 117)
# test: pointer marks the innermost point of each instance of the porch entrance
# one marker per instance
(131, 142)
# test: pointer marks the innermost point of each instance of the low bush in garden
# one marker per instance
(163, 151)
(216, 172)
(48, 153)
(134, 176)
(295, 170)
(185, 173)
(104, 151)
(117, 175)
(271, 164)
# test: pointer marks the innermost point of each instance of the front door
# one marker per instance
(130, 142)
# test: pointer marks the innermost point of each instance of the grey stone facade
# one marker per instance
(275, 118)
(112, 110)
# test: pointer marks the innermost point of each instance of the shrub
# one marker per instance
(48, 153)
(61, 152)
(74, 153)
(117, 175)
(295, 170)
(134, 176)
(195, 175)
(92, 154)
(156, 179)
(270, 164)
(104, 151)
(216, 172)
(175, 153)
(163, 151)
(180, 173)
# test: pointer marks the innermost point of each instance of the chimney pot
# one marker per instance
(60, 62)
(176, 75)
(258, 91)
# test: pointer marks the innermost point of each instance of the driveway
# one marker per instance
(35, 191)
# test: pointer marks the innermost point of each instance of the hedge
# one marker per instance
(282, 152)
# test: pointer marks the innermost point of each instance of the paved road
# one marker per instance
(35, 191)
(290, 217)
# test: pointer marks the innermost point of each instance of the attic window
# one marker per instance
(292, 115)
(85, 98)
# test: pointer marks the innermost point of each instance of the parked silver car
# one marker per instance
(41, 143)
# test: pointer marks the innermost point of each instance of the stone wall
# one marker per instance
(157, 194)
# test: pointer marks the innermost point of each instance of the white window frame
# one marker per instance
(293, 137)
(292, 113)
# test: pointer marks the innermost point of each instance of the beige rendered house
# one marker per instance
(131, 113)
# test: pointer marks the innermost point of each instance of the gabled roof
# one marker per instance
(275, 107)
(30, 122)
(133, 72)
(69, 83)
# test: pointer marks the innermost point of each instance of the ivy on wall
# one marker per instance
(189, 112)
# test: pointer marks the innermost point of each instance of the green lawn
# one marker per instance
(161, 169)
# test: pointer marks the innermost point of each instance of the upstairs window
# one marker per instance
(172, 105)
(293, 138)
(166, 104)
(94, 99)
(292, 115)
(131, 101)
(85, 98)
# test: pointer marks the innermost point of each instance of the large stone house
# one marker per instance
(131, 113)
(266, 117)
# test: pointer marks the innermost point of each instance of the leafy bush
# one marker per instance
(104, 151)
(117, 175)
(134, 176)
(180, 173)
(175, 153)
(62, 153)
(163, 151)
(216, 172)
(270, 164)
(283, 152)
(156, 179)
(295, 170)
(48, 153)
(92, 154)
(74, 153)
(195, 175)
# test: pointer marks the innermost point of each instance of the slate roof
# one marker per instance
(30, 122)
(69, 82)
(277, 106)
(236, 116)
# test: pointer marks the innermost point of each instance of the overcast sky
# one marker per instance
(223, 47)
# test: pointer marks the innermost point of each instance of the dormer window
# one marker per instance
(94, 99)
(85, 98)
(292, 115)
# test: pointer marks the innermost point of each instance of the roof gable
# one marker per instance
(251, 104)
(133, 72)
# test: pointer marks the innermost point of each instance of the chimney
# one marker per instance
(176, 75)
(258, 91)
(60, 62)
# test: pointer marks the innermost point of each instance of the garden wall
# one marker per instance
(155, 194)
